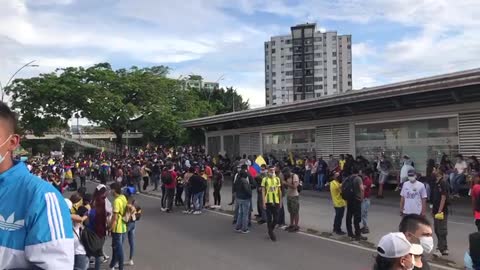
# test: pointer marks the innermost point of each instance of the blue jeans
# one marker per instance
(198, 201)
(243, 213)
(337, 222)
(365, 207)
(81, 262)
(308, 173)
(131, 238)
(321, 181)
(117, 250)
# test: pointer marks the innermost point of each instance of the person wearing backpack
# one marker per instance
(81, 259)
(338, 203)
(353, 192)
(168, 178)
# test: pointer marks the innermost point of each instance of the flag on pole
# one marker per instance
(258, 163)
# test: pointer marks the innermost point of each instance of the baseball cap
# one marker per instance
(412, 173)
(396, 245)
(100, 186)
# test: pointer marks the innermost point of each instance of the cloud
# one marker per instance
(223, 37)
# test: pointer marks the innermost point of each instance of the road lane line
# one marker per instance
(313, 236)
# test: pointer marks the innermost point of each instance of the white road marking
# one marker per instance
(317, 236)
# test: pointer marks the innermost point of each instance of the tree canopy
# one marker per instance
(142, 99)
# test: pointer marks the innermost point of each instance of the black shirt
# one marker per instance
(438, 189)
(197, 184)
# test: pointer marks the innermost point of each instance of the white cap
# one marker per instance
(396, 245)
(100, 186)
(69, 203)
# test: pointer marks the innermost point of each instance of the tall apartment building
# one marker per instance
(307, 64)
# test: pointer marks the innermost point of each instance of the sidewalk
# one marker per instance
(316, 216)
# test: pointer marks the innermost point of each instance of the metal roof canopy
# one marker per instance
(453, 88)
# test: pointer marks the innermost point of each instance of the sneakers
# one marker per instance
(186, 211)
(359, 238)
(130, 263)
(340, 233)
(365, 230)
(245, 232)
(238, 230)
(197, 212)
(293, 229)
(437, 254)
(445, 252)
(163, 209)
(261, 222)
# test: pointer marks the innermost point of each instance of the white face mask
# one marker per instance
(2, 158)
(412, 179)
(427, 243)
(271, 174)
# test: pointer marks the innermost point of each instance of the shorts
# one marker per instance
(293, 205)
(382, 178)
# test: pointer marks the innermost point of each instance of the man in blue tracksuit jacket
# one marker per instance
(35, 227)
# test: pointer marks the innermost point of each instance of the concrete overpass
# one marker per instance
(97, 140)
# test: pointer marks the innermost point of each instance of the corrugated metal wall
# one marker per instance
(250, 144)
(469, 134)
(334, 139)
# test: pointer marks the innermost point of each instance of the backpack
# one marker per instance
(136, 171)
(167, 178)
(91, 242)
(347, 189)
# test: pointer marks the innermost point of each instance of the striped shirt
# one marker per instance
(271, 185)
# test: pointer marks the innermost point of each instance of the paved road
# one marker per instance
(207, 242)
(177, 241)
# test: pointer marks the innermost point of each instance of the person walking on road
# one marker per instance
(197, 189)
(352, 192)
(338, 203)
(322, 171)
(169, 180)
(217, 187)
(439, 199)
(243, 196)
(272, 194)
(413, 196)
(367, 189)
(383, 166)
(118, 226)
(292, 182)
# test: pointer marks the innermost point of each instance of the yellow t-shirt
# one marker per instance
(341, 163)
(336, 192)
(272, 187)
(119, 207)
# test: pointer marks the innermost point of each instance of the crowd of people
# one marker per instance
(187, 176)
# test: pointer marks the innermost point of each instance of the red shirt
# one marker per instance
(208, 172)
(174, 180)
(476, 195)
(367, 183)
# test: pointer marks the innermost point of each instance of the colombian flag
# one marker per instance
(257, 163)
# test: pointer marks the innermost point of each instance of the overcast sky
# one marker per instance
(393, 40)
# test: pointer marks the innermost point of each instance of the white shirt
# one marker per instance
(79, 249)
(413, 195)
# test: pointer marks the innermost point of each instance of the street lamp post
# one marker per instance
(29, 64)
